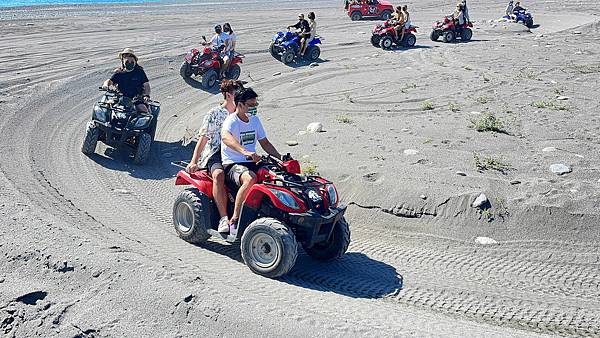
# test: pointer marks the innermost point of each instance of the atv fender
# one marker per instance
(199, 180)
(260, 191)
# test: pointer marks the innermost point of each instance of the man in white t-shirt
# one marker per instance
(239, 135)
(218, 39)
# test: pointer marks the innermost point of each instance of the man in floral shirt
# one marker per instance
(210, 157)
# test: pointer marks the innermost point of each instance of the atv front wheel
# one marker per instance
(410, 40)
(185, 70)
(209, 79)
(287, 56)
(143, 148)
(273, 52)
(269, 247)
(91, 139)
(386, 15)
(448, 36)
(375, 40)
(313, 53)
(386, 42)
(466, 35)
(434, 36)
(356, 16)
(335, 247)
(234, 72)
(189, 216)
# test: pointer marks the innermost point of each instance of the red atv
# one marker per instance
(283, 209)
(208, 65)
(385, 35)
(449, 30)
(357, 10)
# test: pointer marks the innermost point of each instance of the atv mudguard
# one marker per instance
(199, 180)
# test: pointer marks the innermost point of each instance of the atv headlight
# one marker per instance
(285, 198)
(141, 122)
(333, 196)
(100, 113)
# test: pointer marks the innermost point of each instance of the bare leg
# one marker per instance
(219, 191)
(302, 46)
(248, 179)
(225, 65)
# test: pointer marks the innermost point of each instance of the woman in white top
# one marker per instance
(313, 32)
(230, 45)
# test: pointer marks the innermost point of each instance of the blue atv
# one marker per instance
(286, 47)
(522, 17)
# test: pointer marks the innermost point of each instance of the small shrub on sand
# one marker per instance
(454, 107)
(488, 122)
(489, 162)
(407, 87)
(427, 105)
(309, 168)
(344, 118)
(550, 105)
(482, 99)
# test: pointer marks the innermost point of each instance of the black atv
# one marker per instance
(117, 123)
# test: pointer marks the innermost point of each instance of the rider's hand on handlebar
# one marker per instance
(191, 168)
(253, 156)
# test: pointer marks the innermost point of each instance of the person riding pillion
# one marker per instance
(131, 80)
(230, 45)
(311, 35)
(240, 133)
(210, 157)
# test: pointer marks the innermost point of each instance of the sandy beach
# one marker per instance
(87, 244)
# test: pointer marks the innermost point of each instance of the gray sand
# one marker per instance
(87, 244)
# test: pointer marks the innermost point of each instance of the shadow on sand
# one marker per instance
(354, 275)
(158, 166)
(299, 63)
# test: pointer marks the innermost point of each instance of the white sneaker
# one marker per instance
(223, 225)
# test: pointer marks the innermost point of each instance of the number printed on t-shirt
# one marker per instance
(247, 137)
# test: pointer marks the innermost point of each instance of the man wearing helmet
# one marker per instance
(131, 80)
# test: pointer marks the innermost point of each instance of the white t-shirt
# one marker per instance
(219, 40)
(232, 39)
(247, 134)
(211, 128)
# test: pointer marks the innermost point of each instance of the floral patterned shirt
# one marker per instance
(211, 129)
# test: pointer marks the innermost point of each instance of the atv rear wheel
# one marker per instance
(356, 16)
(273, 52)
(91, 139)
(189, 216)
(335, 247)
(233, 72)
(410, 40)
(313, 53)
(466, 34)
(386, 42)
(386, 15)
(529, 23)
(185, 70)
(269, 247)
(448, 36)
(375, 40)
(143, 148)
(287, 56)
(209, 79)
(434, 36)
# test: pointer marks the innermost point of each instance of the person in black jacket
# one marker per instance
(131, 80)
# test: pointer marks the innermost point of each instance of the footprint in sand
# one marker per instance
(373, 177)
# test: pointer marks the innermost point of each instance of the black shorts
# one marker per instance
(234, 171)
(214, 162)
